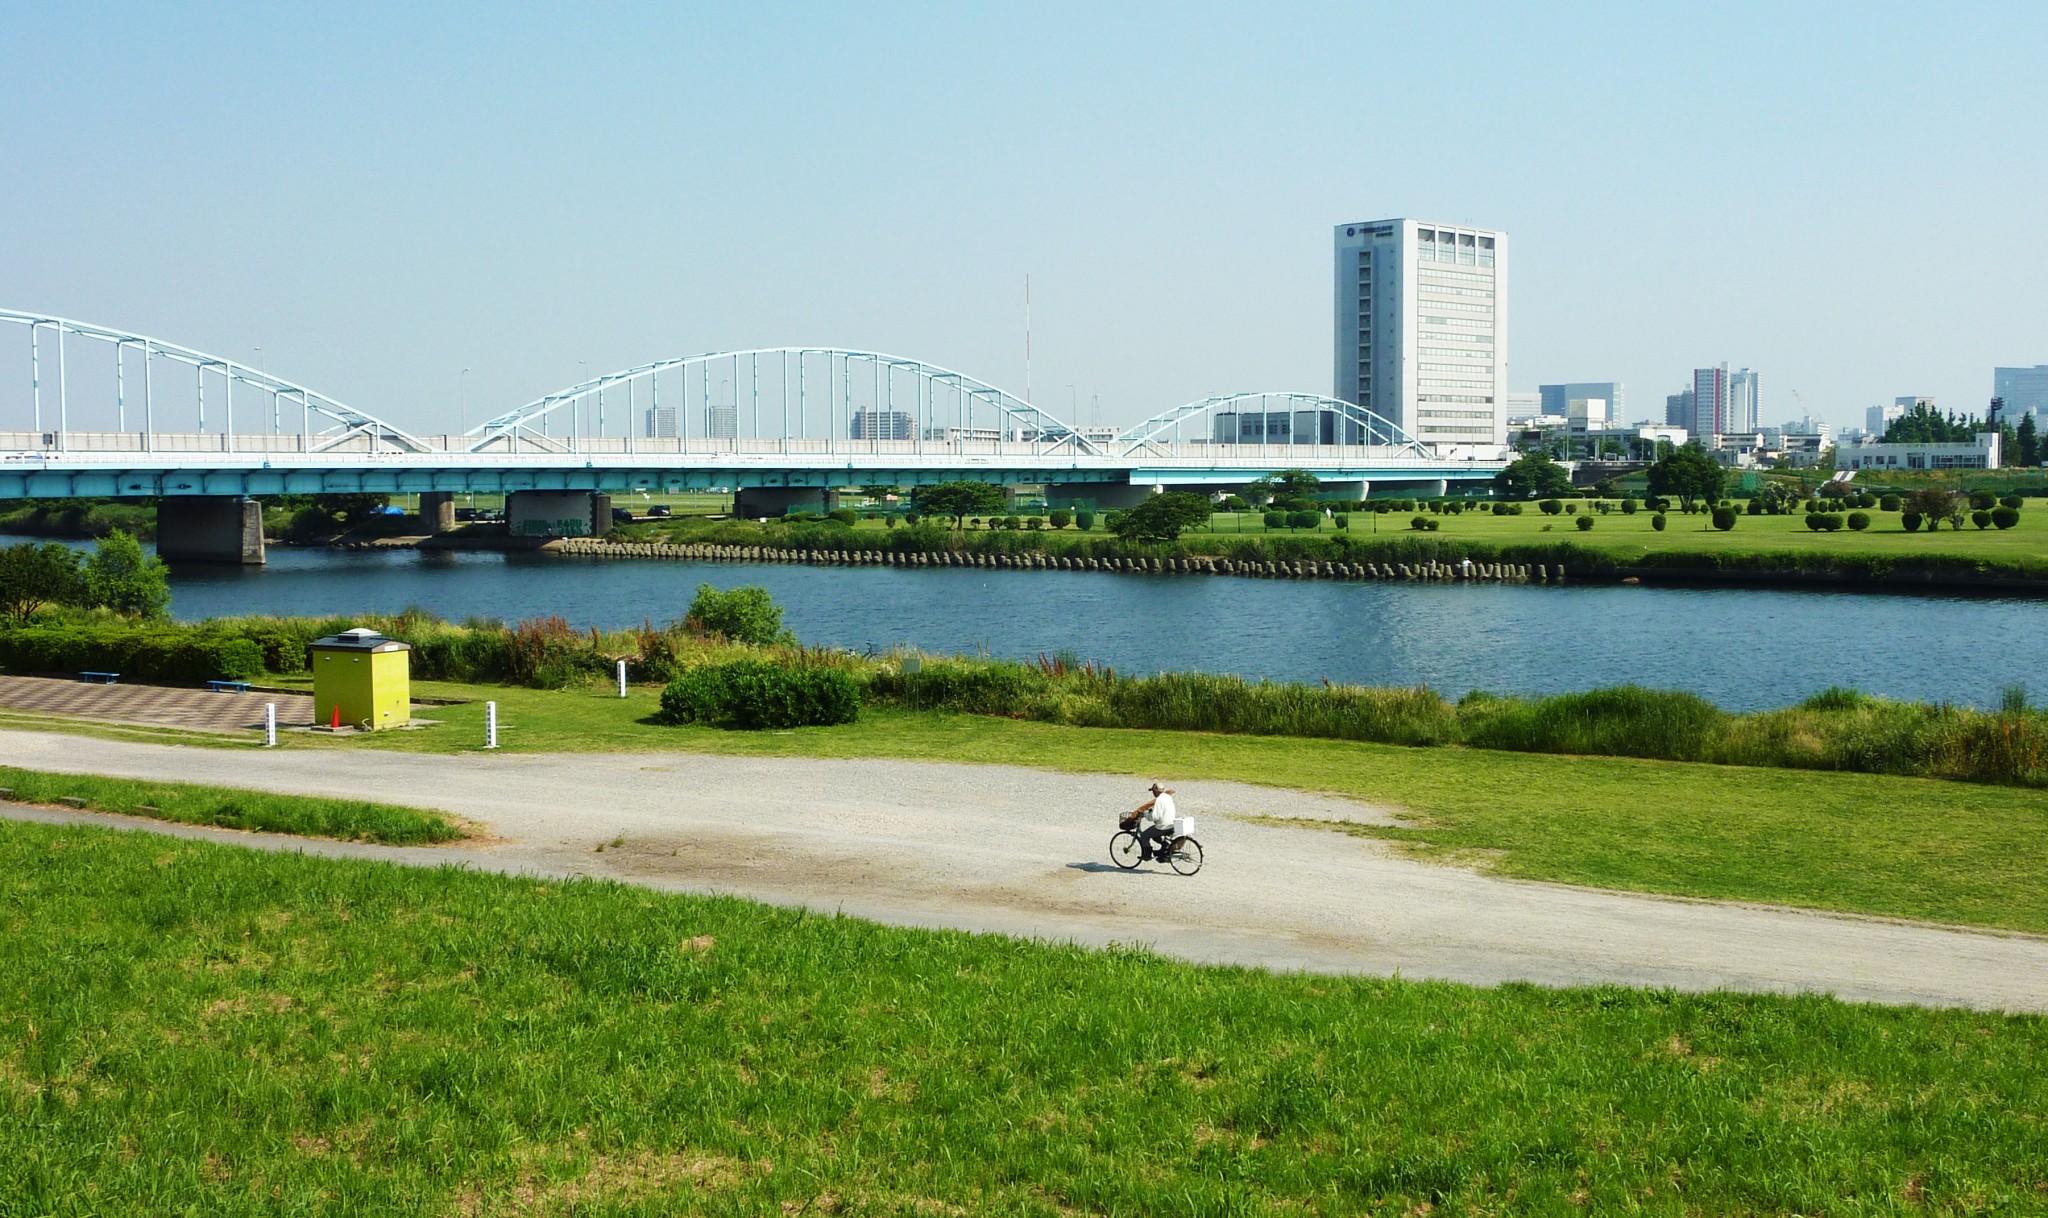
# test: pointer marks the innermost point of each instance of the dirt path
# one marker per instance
(1023, 852)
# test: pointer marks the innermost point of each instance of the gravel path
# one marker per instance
(1024, 852)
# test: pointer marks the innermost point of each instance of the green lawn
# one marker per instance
(226, 808)
(187, 1028)
(1905, 847)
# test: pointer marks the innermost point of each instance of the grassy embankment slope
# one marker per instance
(1903, 847)
(188, 1027)
(257, 811)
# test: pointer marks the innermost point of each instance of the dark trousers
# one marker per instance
(1155, 842)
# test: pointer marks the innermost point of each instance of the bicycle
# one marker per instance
(1183, 853)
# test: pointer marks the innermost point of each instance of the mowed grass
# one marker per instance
(1630, 537)
(260, 811)
(191, 1028)
(1858, 843)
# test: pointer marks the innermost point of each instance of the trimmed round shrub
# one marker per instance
(1571, 509)
(1815, 520)
(1756, 507)
(845, 516)
(1981, 518)
(1084, 520)
(1859, 521)
(1034, 522)
(1910, 521)
(1514, 509)
(1889, 503)
(1630, 507)
(1658, 522)
(1059, 520)
(1551, 507)
(1420, 523)
(1585, 522)
(1303, 520)
(1983, 501)
(1274, 520)
(2011, 501)
(911, 518)
(1500, 509)
(1013, 523)
(1724, 518)
(754, 695)
(2005, 517)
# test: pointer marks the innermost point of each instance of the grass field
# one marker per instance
(233, 809)
(1903, 847)
(193, 1029)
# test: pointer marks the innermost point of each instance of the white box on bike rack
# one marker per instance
(1183, 826)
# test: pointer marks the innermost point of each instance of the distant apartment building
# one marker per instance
(1678, 409)
(661, 423)
(1523, 405)
(1877, 419)
(722, 422)
(1316, 426)
(1421, 325)
(883, 425)
(1710, 403)
(1745, 400)
(2025, 390)
(1557, 399)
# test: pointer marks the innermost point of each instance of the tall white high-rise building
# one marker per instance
(1877, 418)
(2025, 390)
(1422, 328)
(1745, 401)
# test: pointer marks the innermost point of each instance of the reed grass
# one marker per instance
(229, 808)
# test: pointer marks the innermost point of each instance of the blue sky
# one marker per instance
(1848, 198)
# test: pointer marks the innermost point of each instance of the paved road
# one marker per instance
(1023, 852)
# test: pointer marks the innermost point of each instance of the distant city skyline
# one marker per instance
(377, 198)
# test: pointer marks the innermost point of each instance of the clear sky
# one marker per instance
(1852, 199)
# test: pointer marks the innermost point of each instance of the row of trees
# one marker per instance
(117, 576)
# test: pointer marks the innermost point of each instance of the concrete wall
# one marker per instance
(754, 502)
(557, 514)
(437, 511)
(210, 528)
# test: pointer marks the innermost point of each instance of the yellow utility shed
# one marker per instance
(364, 674)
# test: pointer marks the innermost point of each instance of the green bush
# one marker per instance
(1303, 520)
(1274, 520)
(744, 615)
(1983, 501)
(1084, 520)
(1585, 523)
(1724, 517)
(1889, 503)
(146, 654)
(2005, 517)
(1059, 520)
(755, 695)
(1859, 521)
(1500, 509)
(1658, 522)
(1034, 523)
(1551, 507)
(2011, 501)
(1910, 521)
(845, 516)
(1981, 518)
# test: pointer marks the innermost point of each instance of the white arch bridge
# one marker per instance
(112, 413)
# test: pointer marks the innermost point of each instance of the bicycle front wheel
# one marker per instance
(1186, 856)
(1125, 851)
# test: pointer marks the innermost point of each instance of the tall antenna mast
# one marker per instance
(1027, 338)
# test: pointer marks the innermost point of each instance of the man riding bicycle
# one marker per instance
(1154, 819)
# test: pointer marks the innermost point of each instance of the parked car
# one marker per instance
(622, 516)
(660, 509)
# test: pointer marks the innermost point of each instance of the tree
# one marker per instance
(958, 500)
(1532, 476)
(744, 615)
(1689, 473)
(121, 577)
(1289, 489)
(1936, 505)
(2029, 440)
(1921, 425)
(32, 576)
(1162, 517)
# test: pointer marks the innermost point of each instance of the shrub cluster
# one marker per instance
(753, 695)
(154, 653)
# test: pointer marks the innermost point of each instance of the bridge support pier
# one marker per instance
(557, 514)
(1099, 495)
(1346, 491)
(210, 528)
(754, 502)
(437, 511)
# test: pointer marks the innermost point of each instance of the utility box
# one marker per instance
(364, 674)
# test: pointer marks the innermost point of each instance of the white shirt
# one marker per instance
(1161, 815)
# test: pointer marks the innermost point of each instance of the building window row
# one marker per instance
(1454, 399)
(1438, 382)
(1446, 288)
(1459, 306)
(1481, 340)
(1454, 414)
(1485, 352)
(1470, 369)
(1436, 275)
(1471, 323)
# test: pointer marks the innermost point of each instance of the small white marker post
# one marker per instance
(490, 725)
(622, 678)
(270, 725)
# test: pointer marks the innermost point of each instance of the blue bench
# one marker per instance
(221, 687)
(99, 678)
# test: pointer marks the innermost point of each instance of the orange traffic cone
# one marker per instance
(336, 725)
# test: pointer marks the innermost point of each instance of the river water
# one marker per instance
(1741, 648)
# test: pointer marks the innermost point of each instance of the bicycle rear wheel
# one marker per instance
(1186, 856)
(1125, 851)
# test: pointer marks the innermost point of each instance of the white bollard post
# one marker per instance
(622, 678)
(270, 725)
(490, 725)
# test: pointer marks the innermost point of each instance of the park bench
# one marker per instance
(224, 686)
(99, 678)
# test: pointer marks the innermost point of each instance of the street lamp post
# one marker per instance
(462, 399)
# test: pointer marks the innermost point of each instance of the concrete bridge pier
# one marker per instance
(210, 528)
(1100, 495)
(437, 511)
(1346, 491)
(557, 514)
(754, 502)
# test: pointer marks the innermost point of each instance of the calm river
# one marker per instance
(1741, 648)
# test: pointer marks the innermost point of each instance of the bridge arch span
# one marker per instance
(133, 386)
(790, 394)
